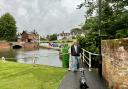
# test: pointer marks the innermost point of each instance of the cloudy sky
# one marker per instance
(45, 16)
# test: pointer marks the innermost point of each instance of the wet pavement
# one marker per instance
(71, 80)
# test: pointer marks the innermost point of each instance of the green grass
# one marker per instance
(25, 76)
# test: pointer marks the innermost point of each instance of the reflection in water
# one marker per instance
(42, 56)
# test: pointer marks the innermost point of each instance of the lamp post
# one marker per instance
(99, 23)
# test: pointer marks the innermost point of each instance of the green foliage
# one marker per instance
(89, 42)
(91, 24)
(7, 27)
(43, 39)
(122, 33)
(114, 23)
(52, 37)
(73, 37)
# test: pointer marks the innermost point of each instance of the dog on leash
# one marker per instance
(83, 84)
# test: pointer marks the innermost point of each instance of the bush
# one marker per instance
(52, 37)
(89, 43)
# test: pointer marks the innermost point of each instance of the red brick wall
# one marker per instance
(30, 45)
(24, 37)
(115, 62)
(4, 45)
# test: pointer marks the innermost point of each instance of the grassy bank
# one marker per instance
(23, 76)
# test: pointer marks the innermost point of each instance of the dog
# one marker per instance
(83, 84)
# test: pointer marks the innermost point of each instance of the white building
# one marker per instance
(64, 35)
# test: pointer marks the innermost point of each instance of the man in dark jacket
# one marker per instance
(75, 56)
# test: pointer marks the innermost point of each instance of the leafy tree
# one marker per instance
(52, 37)
(89, 42)
(114, 19)
(91, 24)
(7, 27)
(114, 23)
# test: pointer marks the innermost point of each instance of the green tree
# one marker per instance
(114, 19)
(114, 23)
(52, 37)
(7, 27)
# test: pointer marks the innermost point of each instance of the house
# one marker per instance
(79, 33)
(64, 35)
(28, 37)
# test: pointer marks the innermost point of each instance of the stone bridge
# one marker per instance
(17, 44)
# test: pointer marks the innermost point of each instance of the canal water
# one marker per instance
(41, 56)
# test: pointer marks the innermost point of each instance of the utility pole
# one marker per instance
(99, 33)
(99, 23)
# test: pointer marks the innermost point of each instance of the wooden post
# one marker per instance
(34, 60)
(3, 59)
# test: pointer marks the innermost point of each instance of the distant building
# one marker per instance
(64, 35)
(79, 33)
(28, 37)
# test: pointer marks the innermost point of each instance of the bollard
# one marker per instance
(3, 59)
(33, 60)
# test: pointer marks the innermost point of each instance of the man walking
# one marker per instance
(75, 56)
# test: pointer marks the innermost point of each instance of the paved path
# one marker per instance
(71, 80)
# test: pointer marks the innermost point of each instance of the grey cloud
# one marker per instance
(46, 16)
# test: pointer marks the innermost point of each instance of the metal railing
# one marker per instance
(86, 57)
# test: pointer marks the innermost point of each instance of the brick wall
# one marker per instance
(115, 62)
(30, 45)
(4, 45)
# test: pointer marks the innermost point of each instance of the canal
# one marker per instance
(42, 56)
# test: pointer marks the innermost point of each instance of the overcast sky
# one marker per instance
(45, 16)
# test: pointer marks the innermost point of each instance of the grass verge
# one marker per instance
(25, 76)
